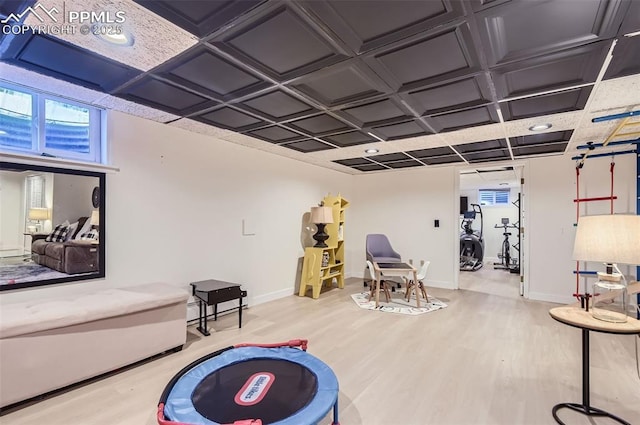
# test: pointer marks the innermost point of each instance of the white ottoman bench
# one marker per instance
(51, 343)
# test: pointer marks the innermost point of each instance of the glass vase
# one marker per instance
(609, 301)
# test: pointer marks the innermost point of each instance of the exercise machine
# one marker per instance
(471, 241)
(507, 262)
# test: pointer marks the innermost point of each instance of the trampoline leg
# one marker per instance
(335, 414)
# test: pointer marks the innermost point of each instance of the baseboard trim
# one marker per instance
(552, 298)
(272, 296)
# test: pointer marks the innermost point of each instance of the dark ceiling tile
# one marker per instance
(59, 59)
(277, 106)
(401, 130)
(197, 16)
(164, 96)
(375, 113)
(465, 93)
(495, 155)
(390, 157)
(521, 29)
(631, 22)
(367, 25)
(353, 161)
(445, 159)
(373, 167)
(307, 146)
(426, 59)
(341, 83)
(626, 58)
(552, 103)
(481, 146)
(479, 5)
(204, 71)
(540, 150)
(544, 73)
(405, 164)
(230, 119)
(319, 125)
(426, 153)
(539, 139)
(466, 118)
(276, 134)
(351, 138)
(280, 42)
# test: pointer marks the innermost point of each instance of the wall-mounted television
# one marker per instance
(52, 225)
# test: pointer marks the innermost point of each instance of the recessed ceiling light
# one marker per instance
(124, 39)
(371, 151)
(540, 127)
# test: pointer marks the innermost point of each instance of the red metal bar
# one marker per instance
(603, 198)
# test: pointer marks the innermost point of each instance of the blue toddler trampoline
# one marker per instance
(252, 384)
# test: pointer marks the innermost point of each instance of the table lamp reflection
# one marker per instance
(321, 216)
(39, 215)
(611, 239)
(95, 218)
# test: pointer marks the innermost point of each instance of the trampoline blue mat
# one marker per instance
(179, 405)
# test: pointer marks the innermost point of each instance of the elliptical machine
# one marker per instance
(471, 242)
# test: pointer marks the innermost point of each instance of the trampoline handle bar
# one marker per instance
(302, 343)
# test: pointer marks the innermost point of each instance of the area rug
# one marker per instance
(398, 304)
(27, 272)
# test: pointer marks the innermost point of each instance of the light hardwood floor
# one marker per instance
(486, 359)
(491, 281)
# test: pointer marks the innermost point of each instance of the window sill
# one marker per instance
(60, 162)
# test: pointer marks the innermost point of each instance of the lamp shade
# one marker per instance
(95, 218)
(39, 214)
(321, 215)
(608, 239)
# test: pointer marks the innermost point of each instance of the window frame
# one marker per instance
(38, 125)
(494, 197)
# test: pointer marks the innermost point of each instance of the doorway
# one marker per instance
(491, 231)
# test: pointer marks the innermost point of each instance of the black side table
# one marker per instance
(213, 292)
(579, 318)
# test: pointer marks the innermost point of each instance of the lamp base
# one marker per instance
(320, 237)
(609, 301)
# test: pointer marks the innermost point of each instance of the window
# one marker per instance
(494, 196)
(35, 192)
(38, 123)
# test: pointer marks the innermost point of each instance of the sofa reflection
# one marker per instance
(71, 255)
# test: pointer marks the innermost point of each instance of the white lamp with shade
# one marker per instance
(320, 216)
(610, 239)
(38, 215)
(95, 218)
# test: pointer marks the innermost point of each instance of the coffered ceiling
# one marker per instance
(426, 83)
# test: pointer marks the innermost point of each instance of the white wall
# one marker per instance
(552, 213)
(174, 212)
(403, 205)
